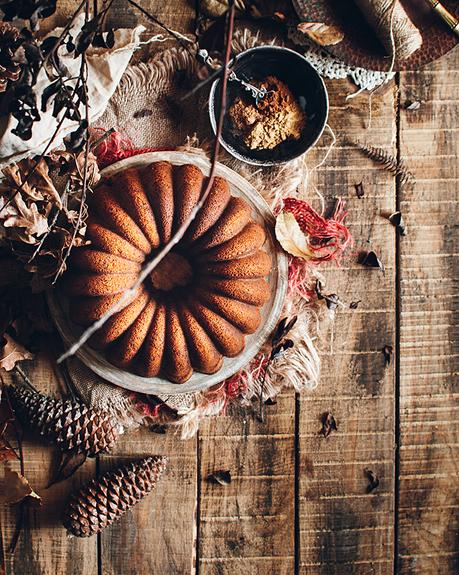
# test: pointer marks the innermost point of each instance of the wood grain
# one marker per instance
(157, 535)
(344, 528)
(429, 428)
(248, 526)
(298, 502)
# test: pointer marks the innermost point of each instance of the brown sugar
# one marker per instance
(272, 120)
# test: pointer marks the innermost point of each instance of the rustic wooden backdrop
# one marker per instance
(299, 501)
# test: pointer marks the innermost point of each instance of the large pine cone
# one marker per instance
(69, 424)
(10, 40)
(105, 499)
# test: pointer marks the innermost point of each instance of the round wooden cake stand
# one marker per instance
(271, 311)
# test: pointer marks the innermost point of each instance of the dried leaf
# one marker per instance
(14, 488)
(328, 424)
(332, 300)
(7, 422)
(410, 105)
(280, 349)
(216, 8)
(371, 260)
(373, 480)
(359, 191)
(354, 304)
(11, 353)
(282, 329)
(290, 236)
(387, 351)
(396, 219)
(270, 402)
(221, 477)
(320, 33)
(39, 185)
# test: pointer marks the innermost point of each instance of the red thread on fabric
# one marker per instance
(116, 147)
(328, 238)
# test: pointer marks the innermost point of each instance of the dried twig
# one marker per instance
(84, 76)
(59, 41)
(151, 265)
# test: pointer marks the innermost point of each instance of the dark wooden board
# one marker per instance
(298, 502)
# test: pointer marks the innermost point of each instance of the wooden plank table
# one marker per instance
(299, 502)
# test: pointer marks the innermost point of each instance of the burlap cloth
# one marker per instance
(148, 107)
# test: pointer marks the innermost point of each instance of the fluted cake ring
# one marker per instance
(202, 300)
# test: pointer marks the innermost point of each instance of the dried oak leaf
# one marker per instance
(328, 424)
(20, 221)
(12, 352)
(222, 477)
(283, 327)
(39, 186)
(14, 488)
(72, 165)
(290, 236)
(320, 33)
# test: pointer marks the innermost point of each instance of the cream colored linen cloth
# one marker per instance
(105, 69)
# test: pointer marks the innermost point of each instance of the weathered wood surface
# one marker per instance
(428, 291)
(298, 501)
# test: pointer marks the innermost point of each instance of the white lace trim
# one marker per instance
(332, 68)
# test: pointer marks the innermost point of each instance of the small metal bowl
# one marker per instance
(303, 81)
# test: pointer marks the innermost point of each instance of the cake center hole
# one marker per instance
(172, 271)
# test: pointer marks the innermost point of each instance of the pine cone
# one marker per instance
(10, 40)
(105, 499)
(70, 424)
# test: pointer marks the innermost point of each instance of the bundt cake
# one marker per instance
(203, 298)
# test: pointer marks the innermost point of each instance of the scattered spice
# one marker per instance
(373, 480)
(272, 120)
(221, 477)
(328, 424)
(396, 219)
(387, 351)
(359, 191)
(371, 260)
